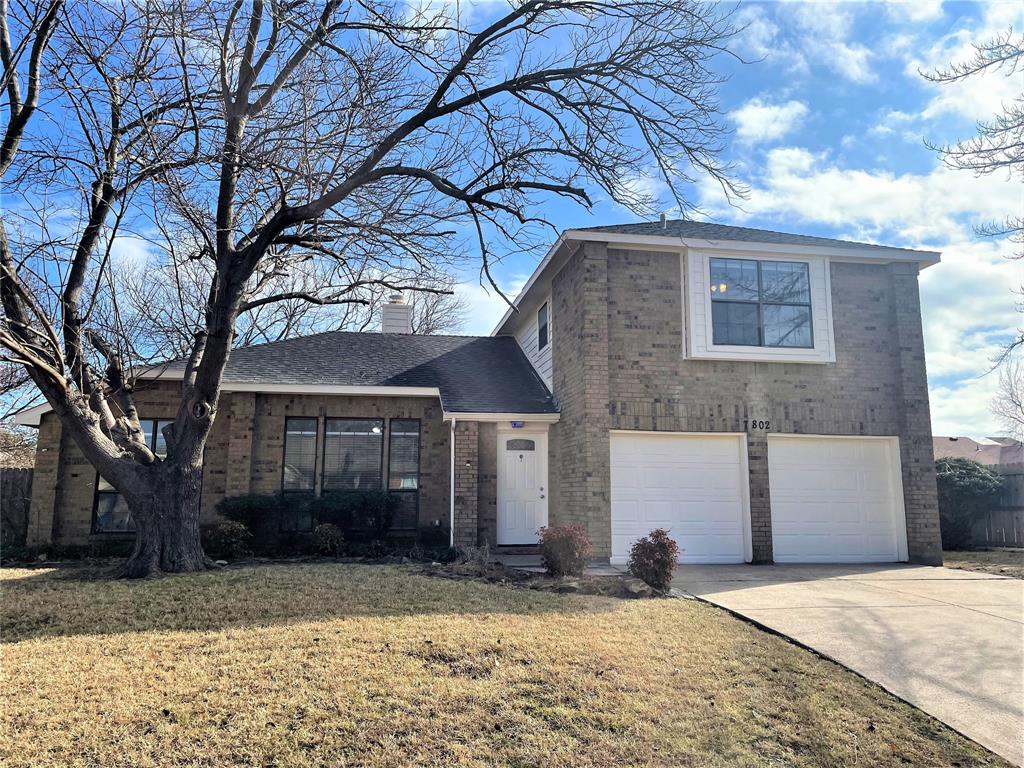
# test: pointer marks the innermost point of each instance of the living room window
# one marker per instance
(404, 455)
(542, 326)
(298, 475)
(110, 510)
(353, 454)
(760, 303)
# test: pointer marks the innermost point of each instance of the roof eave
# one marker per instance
(880, 253)
(544, 418)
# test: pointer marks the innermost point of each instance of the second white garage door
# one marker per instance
(836, 499)
(692, 485)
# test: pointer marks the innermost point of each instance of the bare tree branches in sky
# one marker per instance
(275, 155)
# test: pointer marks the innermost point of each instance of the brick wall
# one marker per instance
(243, 455)
(467, 439)
(579, 453)
(487, 484)
(625, 307)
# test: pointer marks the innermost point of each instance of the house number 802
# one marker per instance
(749, 424)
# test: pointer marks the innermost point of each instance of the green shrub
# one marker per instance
(966, 490)
(564, 549)
(654, 558)
(433, 537)
(230, 540)
(329, 539)
(252, 510)
(363, 515)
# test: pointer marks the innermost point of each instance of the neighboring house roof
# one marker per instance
(473, 374)
(705, 230)
(988, 451)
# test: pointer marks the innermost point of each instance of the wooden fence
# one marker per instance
(15, 498)
(1003, 525)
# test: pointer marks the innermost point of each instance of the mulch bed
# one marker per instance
(623, 586)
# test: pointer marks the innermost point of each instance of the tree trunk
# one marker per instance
(166, 515)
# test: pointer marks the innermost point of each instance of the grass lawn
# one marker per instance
(1004, 562)
(343, 665)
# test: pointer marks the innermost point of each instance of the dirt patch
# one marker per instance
(623, 586)
(1001, 562)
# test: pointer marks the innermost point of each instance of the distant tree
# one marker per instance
(296, 152)
(966, 489)
(998, 146)
(1008, 403)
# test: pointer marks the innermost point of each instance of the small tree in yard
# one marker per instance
(966, 489)
(654, 558)
(289, 154)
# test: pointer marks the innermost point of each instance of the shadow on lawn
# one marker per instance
(83, 600)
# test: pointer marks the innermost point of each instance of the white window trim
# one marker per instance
(698, 307)
(547, 326)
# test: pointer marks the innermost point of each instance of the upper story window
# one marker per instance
(760, 303)
(111, 513)
(542, 326)
(353, 454)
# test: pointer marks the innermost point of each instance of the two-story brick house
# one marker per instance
(762, 395)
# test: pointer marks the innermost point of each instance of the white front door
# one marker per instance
(522, 486)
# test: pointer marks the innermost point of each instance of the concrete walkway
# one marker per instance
(950, 642)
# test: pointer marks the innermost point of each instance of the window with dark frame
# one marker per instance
(353, 454)
(542, 326)
(761, 303)
(404, 455)
(110, 510)
(298, 472)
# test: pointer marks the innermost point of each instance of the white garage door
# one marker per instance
(836, 500)
(692, 485)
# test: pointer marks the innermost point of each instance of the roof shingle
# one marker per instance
(474, 374)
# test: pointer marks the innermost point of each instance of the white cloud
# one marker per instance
(486, 306)
(978, 97)
(758, 121)
(807, 34)
(967, 300)
(915, 10)
(761, 38)
(824, 29)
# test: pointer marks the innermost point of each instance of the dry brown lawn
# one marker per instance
(342, 665)
(1003, 562)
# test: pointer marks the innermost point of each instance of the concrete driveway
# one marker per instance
(950, 642)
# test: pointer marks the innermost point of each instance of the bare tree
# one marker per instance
(251, 137)
(998, 146)
(1008, 403)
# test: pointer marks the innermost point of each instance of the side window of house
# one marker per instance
(298, 474)
(404, 455)
(110, 512)
(353, 454)
(542, 326)
(761, 303)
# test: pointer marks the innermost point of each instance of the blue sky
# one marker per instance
(829, 127)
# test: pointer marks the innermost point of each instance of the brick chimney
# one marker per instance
(396, 315)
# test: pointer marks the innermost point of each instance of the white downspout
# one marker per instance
(451, 524)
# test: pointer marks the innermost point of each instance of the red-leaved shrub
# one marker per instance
(653, 559)
(564, 549)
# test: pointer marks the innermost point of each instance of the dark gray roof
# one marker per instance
(474, 374)
(704, 230)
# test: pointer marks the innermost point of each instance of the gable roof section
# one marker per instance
(473, 374)
(705, 230)
(676, 234)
